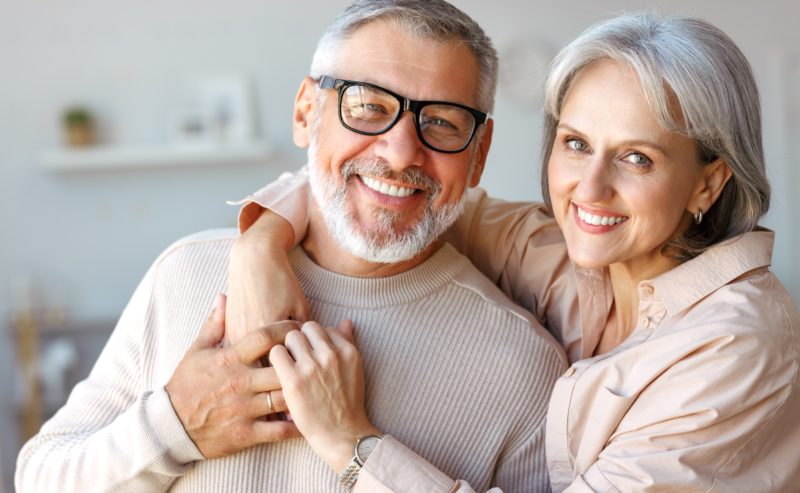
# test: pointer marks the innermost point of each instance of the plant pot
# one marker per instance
(79, 135)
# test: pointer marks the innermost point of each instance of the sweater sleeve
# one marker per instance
(112, 434)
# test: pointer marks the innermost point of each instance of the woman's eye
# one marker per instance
(637, 159)
(577, 145)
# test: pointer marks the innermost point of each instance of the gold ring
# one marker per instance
(269, 402)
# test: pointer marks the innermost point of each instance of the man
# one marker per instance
(395, 119)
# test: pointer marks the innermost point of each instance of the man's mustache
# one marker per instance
(377, 168)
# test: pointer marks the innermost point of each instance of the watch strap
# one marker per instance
(350, 475)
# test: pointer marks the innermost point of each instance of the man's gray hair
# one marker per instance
(692, 63)
(436, 20)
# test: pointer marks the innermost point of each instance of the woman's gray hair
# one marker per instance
(691, 62)
(428, 19)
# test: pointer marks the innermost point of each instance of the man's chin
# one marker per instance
(383, 251)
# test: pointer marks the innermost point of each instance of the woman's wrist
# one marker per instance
(270, 232)
(341, 449)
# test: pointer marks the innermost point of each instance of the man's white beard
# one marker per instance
(384, 243)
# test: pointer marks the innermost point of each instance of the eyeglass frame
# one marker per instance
(406, 104)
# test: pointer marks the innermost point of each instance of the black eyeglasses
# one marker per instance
(368, 109)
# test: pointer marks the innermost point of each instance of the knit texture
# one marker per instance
(454, 371)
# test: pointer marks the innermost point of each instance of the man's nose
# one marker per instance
(400, 146)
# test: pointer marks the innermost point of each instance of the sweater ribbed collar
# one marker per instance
(365, 292)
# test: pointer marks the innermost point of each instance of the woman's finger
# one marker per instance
(341, 336)
(318, 339)
(281, 360)
(298, 346)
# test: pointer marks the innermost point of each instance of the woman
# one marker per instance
(684, 372)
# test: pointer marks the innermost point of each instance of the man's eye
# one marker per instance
(371, 108)
(440, 122)
(365, 111)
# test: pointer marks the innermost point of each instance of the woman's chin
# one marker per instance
(588, 259)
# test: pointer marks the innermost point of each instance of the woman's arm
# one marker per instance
(322, 377)
(262, 287)
(719, 416)
(517, 245)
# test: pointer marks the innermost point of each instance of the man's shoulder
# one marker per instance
(507, 315)
(202, 243)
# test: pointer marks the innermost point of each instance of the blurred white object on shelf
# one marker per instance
(220, 111)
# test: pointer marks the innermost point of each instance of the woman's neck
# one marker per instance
(625, 279)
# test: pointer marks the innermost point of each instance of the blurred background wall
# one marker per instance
(75, 242)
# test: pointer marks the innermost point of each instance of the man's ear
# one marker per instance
(713, 178)
(482, 153)
(305, 105)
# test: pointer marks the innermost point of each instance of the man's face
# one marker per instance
(385, 198)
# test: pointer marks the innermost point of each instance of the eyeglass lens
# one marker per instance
(371, 110)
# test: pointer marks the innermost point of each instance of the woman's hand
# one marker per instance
(322, 377)
(262, 287)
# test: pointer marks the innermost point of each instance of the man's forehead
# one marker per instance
(419, 68)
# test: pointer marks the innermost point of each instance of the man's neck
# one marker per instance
(327, 253)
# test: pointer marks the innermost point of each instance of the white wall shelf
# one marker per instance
(115, 158)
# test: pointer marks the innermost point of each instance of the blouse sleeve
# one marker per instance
(287, 196)
(394, 467)
(706, 423)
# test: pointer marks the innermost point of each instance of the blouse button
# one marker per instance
(647, 290)
(570, 371)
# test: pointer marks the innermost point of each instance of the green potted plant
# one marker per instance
(78, 126)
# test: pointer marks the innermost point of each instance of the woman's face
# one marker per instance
(621, 185)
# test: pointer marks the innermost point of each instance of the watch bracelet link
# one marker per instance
(350, 475)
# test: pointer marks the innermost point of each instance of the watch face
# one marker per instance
(365, 447)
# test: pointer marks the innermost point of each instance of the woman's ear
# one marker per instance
(305, 105)
(713, 178)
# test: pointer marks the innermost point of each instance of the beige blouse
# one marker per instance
(702, 396)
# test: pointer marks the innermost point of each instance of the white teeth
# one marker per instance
(386, 189)
(599, 220)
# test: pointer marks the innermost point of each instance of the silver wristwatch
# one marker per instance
(363, 449)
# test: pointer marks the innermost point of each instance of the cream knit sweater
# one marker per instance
(454, 371)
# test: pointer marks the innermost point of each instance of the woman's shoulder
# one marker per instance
(730, 286)
(755, 302)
